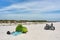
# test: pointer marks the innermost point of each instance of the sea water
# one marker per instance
(16, 33)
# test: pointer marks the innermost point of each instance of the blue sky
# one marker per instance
(30, 10)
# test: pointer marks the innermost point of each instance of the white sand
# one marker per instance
(35, 32)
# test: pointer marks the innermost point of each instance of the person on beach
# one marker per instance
(49, 27)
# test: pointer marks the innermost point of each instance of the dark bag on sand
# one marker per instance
(8, 32)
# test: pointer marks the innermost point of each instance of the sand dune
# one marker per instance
(35, 32)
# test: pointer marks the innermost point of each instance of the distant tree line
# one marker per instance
(19, 21)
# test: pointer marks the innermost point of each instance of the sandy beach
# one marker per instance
(35, 32)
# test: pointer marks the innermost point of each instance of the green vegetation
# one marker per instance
(32, 21)
(21, 28)
(20, 21)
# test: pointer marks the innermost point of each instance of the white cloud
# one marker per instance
(38, 6)
(34, 10)
(32, 17)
